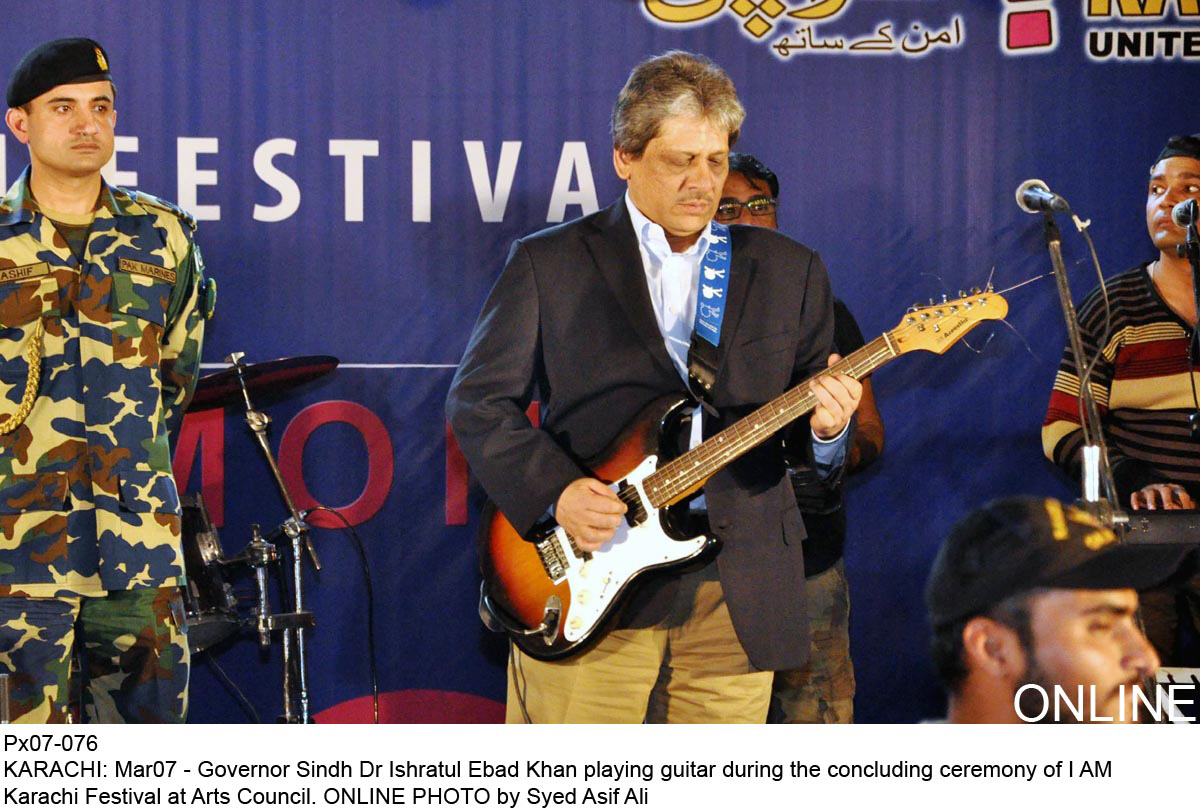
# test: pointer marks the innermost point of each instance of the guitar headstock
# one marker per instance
(936, 327)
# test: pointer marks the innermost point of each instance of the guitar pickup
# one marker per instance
(636, 514)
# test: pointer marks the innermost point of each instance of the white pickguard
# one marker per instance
(596, 582)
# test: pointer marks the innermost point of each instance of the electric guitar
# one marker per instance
(552, 598)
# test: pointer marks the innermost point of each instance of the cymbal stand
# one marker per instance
(293, 625)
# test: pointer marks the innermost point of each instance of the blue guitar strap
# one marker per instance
(711, 297)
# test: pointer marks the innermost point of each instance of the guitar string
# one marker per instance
(744, 435)
(749, 432)
(706, 462)
(1022, 284)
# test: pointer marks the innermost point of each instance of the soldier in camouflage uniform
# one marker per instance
(102, 309)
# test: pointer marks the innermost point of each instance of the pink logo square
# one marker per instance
(1029, 29)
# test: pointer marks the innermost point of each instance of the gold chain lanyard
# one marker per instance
(34, 355)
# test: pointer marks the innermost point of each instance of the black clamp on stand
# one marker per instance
(260, 554)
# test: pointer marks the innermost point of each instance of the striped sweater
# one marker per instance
(1142, 390)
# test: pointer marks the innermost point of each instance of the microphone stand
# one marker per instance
(1097, 471)
(1191, 250)
(293, 625)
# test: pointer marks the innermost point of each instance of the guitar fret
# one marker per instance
(690, 470)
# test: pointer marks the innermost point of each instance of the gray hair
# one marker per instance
(675, 83)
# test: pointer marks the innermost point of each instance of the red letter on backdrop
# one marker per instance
(205, 428)
(380, 464)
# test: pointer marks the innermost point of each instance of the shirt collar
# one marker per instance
(653, 238)
(18, 204)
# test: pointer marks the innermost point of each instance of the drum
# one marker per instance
(208, 601)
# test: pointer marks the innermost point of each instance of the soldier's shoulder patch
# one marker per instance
(150, 201)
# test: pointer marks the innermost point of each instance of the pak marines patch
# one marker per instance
(146, 269)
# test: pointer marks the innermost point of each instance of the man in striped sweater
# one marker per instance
(1144, 380)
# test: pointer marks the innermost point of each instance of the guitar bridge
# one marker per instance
(551, 555)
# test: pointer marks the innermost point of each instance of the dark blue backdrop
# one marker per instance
(897, 163)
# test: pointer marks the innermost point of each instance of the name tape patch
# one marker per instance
(146, 269)
(24, 272)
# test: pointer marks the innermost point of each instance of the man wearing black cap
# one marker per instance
(1144, 381)
(1032, 606)
(102, 309)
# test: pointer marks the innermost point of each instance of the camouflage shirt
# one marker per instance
(87, 501)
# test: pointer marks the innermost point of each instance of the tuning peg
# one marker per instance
(944, 298)
(962, 294)
(975, 291)
(916, 305)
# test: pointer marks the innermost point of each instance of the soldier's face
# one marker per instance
(677, 180)
(68, 129)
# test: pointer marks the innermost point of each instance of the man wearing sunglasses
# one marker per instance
(821, 692)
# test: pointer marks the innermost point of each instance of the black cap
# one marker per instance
(62, 61)
(1185, 146)
(1016, 544)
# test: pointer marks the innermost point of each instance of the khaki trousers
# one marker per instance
(689, 669)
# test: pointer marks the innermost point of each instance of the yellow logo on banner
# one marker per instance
(759, 15)
(794, 27)
(1141, 8)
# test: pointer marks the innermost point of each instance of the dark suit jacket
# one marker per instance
(570, 322)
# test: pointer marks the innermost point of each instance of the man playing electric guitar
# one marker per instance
(599, 318)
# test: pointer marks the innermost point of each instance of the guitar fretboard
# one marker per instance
(688, 472)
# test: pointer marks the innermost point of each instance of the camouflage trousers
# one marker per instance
(133, 659)
(821, 692)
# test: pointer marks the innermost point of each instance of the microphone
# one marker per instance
(1184, 214)
(1033, 196)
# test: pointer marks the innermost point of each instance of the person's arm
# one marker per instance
(183, 338)
(829, 431)
(868, 431)
(522, 469)
(867, 444)
(1062, 431)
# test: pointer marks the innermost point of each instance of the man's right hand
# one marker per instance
(590, 512)
(1161, 497)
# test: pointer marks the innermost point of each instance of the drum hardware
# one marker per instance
(234, 387)
(260, 554)
(265, 379)
(210, 606)
(269, 377)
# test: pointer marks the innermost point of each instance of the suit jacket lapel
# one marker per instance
(615, 250)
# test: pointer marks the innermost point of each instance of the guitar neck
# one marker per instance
(688, 472)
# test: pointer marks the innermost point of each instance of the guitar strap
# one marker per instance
(710, 313)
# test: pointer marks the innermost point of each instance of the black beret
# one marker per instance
(1186, 146)
(63, 61)
(1020, 543)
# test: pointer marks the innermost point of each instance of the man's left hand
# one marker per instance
(837, 396)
